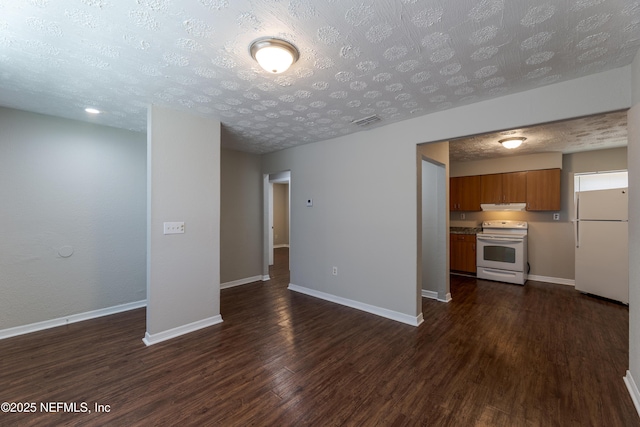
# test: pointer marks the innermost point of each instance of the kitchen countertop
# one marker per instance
(465, 230)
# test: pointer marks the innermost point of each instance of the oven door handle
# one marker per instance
(499, 239)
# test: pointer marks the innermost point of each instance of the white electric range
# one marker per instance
(502, 251)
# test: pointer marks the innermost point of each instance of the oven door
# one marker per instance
(501, 252)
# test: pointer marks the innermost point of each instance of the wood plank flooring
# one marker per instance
(497, 355)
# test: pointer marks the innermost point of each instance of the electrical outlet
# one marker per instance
(335, 271)
(556, 216)
(174, 228)
(309, 202)
(462, 216)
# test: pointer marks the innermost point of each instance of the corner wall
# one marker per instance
(433, 220)
(240, 218)
(183, 270)
(73, 219)
(633, 152)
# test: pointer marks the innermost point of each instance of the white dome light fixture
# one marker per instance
(274, 55)
(511, 143)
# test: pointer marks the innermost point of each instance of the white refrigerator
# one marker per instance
(602, 243)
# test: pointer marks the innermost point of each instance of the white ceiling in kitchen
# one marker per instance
(596, 132)
(396, 59)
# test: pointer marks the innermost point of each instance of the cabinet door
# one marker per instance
(469, 190)
(514, 187)
(455, 253)
(462, 253)
(454, 194)
(469, 254)
(491, 188)
(543, 190)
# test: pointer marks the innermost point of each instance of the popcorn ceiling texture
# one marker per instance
(587, 133)
(393, 58)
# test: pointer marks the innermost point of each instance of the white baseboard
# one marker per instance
(61, 321)
(434, 295)
(240, 282)
(180, 330)
(265, 278)
(379, 311)
(633, 390)
(556, 280)
(284, 245)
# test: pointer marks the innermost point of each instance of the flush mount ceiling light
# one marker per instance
(274, 55)
(92, 110)
(512, 142)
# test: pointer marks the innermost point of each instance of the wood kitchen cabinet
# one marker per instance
(464, 193)
(543, 190)
(462, 253)
(504, 188)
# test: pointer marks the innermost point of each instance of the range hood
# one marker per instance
(503, 206)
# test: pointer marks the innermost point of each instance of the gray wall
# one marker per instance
(68, 184)
(183, 270)
(240, 216)
(551, 243)
(634, 227)
(280, 214)
(433, 190)
(364, 188)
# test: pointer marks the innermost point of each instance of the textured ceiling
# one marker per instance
(394, 58)
(587, 133)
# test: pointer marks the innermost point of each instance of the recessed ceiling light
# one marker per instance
(274, 55)
(92, 110)
(512, 142)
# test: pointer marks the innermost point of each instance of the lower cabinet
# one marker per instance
(463, 252)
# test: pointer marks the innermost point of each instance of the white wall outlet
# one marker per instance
(462, 216)
(309, 202)
(174, 228)
(556, 216)
(334, 271)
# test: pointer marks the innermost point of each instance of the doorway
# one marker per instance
(277, 196)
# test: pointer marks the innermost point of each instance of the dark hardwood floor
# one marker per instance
(497, 355)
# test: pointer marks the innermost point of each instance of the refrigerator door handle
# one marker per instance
(576, 227)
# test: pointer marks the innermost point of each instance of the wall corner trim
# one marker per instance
(633, 390)
(265, 278)
(180, 330)
(240, 282)
(429, 294)
(379, 311)
(434, 295)
(73, 318)
(556, 280)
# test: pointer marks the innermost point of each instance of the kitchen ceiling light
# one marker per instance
(274, 55)
(92, 110)
(512, 142)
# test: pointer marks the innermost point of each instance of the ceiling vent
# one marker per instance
(366, 121)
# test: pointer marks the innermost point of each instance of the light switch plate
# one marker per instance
(309, 202)
(174, 228)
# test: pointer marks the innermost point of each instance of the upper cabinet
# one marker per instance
(503, 188)
(543, 190)
(539, 189)
(464, 193)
